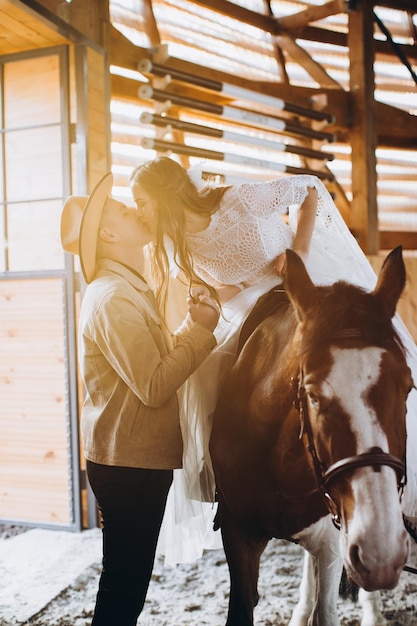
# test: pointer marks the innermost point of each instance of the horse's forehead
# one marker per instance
(353, 373)
(360, 367)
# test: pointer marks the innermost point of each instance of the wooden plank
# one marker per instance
(97, 116)
(23, 30)
(151, 27)
(124, 53)
(242, 14)
(310, 33)
(33, 411)
(34, 83)
(74, 21)
(311, 14)
(400, 5)
(396, 128)
(35, 427)
(16, 37)
(38, 458)
(301, 56)
(340, 39)
(363, 137)
(51, 508)
(389, 239)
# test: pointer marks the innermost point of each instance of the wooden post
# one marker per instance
(363, 137)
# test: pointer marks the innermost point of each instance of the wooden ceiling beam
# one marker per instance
(312, 14)
(400, 5)
(309, 33)
(124, 53)
(278, 52)
(151, 26)
(258, 20)
(394, 125)
(323, 35)
(302, 57)
(82, 23)
(396, 128)
(363, 132)
(269, 24)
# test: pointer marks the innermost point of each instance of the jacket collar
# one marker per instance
(105, 266)
(129, 274)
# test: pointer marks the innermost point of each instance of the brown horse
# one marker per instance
(309, 430)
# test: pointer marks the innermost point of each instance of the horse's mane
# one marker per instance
(272, 302)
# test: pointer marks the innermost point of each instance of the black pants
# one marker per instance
(132, 504)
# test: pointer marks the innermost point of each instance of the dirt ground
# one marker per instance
(197, 594)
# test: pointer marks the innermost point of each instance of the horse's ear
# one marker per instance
(298, 284)
(391, 281)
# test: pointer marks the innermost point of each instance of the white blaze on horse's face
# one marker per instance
(374, 538)
(363, 367)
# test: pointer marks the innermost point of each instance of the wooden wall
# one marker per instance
(97, 117)
(33, 426)
(88, 17)
(37, 337)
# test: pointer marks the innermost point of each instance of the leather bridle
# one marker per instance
(375, 458)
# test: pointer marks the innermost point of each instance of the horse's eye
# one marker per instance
(314, 400)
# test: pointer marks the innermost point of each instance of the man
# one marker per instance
(131, 368)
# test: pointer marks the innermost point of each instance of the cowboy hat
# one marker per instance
(80, 221)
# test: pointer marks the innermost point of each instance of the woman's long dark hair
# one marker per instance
(169, 184)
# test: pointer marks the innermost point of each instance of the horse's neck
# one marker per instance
(274, 302)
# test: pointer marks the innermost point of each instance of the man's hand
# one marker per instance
(202, 308)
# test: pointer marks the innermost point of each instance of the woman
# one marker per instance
(233, 239)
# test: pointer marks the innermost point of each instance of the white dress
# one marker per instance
(239, 247)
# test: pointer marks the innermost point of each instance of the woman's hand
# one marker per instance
(280, 263)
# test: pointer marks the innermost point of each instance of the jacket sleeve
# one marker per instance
(137, 349)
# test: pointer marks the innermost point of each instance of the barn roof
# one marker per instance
(300, 51)
(355, 61)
